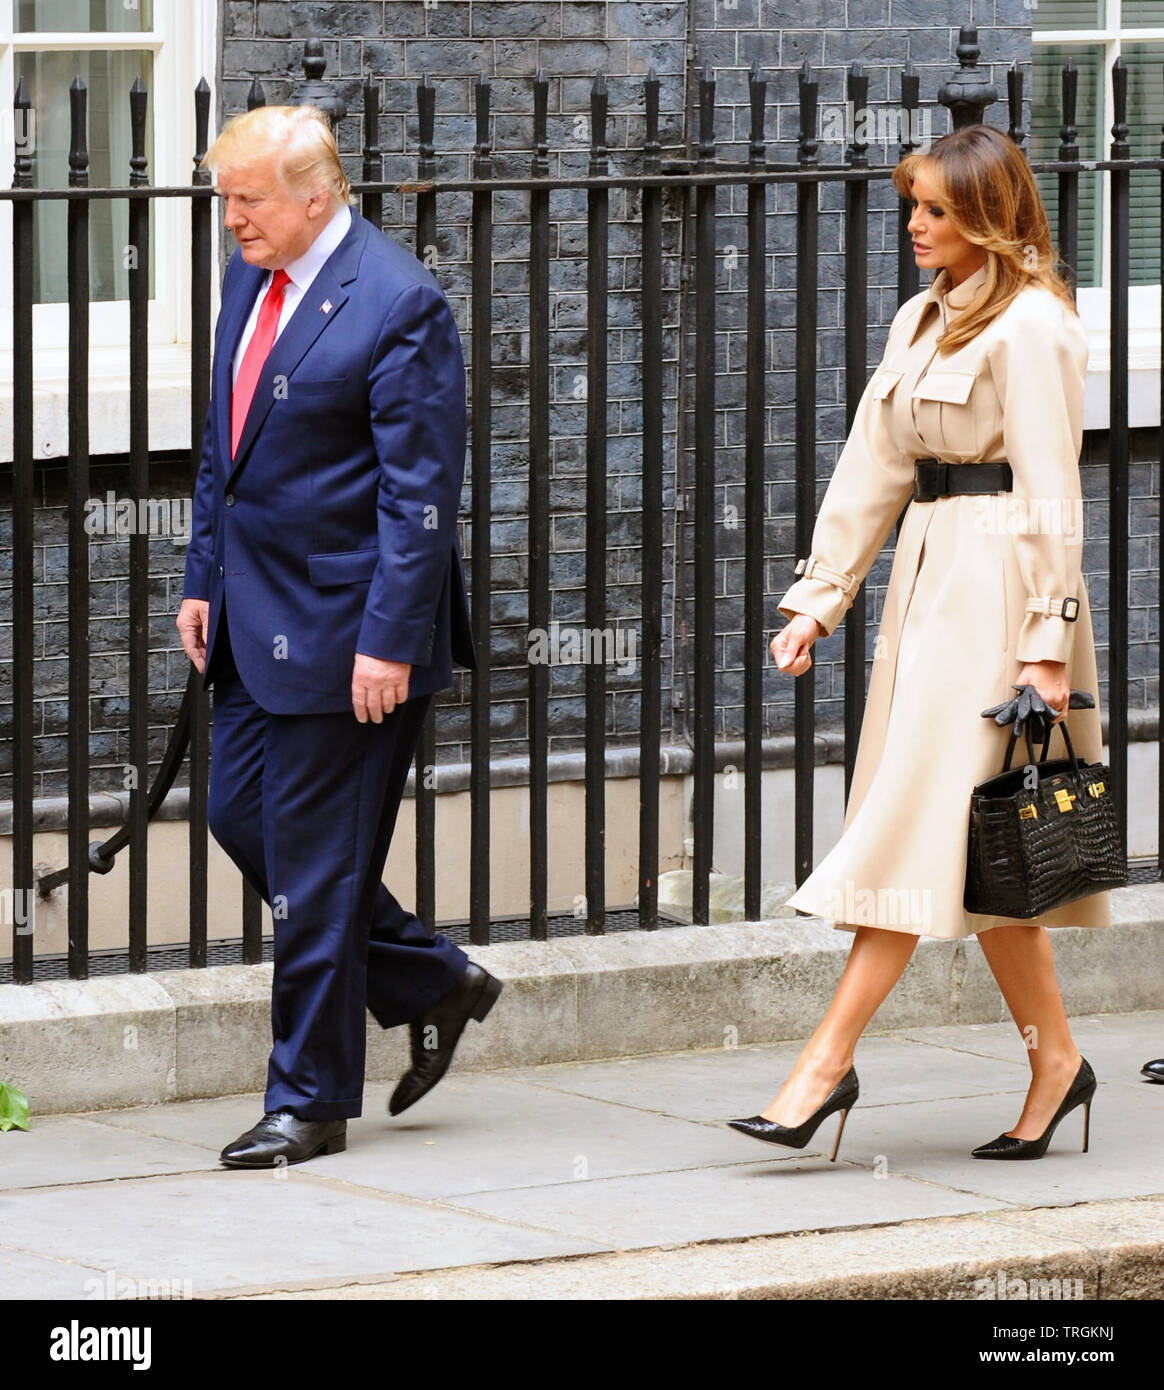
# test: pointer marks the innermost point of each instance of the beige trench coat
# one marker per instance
(975, 589)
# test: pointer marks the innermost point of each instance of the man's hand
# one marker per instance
(192, 621)
(378, 687)
(791, 644)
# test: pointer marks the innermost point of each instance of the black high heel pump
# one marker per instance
(1080, 1092)
(842, 1097)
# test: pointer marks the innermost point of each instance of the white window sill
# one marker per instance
(169, 397)
(1143, 357)
(169, 401)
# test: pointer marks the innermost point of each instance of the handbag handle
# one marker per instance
(1075, 765)
(1008, 713)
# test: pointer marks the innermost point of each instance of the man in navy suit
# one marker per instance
(324, 599)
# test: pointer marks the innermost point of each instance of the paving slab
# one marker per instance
(236, 1228)
(27, 1276)
(520, 1136)
(1117, 1046)
(932, 1143)
(64, 1149)
(776, 1195)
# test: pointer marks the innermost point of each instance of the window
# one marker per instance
(107, 43)
(108, 73)
(1094, 33)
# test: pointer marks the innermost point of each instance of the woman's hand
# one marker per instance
(1050, 679)
(791, 644)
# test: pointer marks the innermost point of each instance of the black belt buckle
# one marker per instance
(929, 479)
(1065, 615)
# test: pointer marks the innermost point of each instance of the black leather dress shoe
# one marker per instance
(281, 1137)
(1154, 1071)
(472, 996)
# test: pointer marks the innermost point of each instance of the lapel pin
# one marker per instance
(326, 306)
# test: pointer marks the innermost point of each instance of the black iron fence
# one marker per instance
(697, 183)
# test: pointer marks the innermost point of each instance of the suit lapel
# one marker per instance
(318, 308)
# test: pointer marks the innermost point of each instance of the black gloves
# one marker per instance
(1029, 704)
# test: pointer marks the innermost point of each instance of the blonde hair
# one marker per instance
(308, 160)
(987, 191)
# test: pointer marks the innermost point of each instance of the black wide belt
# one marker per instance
(934, 478)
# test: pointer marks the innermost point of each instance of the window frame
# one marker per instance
(184, 44)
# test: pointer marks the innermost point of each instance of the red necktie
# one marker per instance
(255, 355)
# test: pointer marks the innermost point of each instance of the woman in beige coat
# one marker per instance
(985, 593)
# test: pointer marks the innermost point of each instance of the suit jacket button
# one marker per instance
(220, 569)
(229, 499)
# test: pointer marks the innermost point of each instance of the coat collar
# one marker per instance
(955, 297)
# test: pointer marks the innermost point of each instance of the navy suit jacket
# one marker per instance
(334, 528)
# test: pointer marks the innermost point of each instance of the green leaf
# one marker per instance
(13, 1108)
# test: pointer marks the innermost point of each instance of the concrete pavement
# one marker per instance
(617, 1179)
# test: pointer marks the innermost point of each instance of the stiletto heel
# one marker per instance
(842, 1097)
(837, 1140)
(1080, 1092)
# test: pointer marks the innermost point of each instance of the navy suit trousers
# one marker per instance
(305, 805)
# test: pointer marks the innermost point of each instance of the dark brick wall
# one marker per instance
(108, 629)
(395, 41)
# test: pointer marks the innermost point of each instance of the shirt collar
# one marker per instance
(304, 269)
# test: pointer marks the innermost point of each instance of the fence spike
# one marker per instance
(652, 149)
(910, 102)
(426, 126)
(138, 102)
(706, 153)
(757, 92)
(22, 127)
(540, 164)
(1120, 149)
(201, 129)
(1014, 96)
(599, 163)
(78, 134)
(857, 94)
(1068, 131)
(806, 146)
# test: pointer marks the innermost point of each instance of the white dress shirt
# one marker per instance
(301, 271)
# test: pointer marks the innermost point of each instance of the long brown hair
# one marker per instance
(985, 187)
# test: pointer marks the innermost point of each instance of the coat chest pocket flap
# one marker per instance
(884, 380)
(951, 387)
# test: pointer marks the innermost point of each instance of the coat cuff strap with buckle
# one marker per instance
(812, 568)
(1051, 607)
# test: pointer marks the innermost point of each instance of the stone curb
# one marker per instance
(75, 1045)
(1096, 1250)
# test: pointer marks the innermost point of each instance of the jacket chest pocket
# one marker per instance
(944, 413)
(883, 381)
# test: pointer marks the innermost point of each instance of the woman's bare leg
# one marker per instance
(875, 963)
(1023, 964)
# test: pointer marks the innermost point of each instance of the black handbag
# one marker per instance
(1042, 835)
